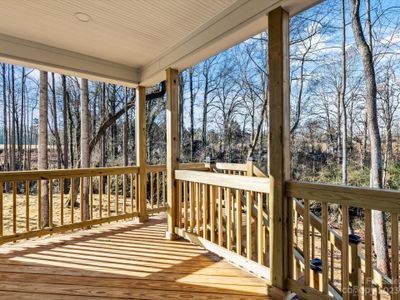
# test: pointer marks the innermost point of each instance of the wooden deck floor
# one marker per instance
(121, 261)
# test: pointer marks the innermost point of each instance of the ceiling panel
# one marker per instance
(129, 32)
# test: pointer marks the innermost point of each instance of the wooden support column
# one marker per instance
(141, 151)
(279, 168)
(172, 148)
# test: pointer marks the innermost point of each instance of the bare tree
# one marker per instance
(343, 99)
(85, 157)
(378, 218)
(43, 147)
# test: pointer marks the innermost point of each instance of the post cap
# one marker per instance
(316, 264)
(354, 239)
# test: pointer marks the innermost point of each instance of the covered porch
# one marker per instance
(204, 230)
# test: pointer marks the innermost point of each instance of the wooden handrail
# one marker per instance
(381, 279)
(366, 198)
(65, 173)
(182, 166)
(230, 166)
(255, 184)
(384, 200)
(112, 195)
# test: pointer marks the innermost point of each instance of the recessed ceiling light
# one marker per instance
(83, 17)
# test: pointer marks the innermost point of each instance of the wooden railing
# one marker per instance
(215, 210)
(156, 186)
(112, 196)
(327, 261)
(247, 169)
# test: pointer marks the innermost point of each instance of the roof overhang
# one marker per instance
(239, 20)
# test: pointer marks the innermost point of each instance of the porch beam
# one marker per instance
(141, 150)
(279, 168)
(173, 143)
(30, 54)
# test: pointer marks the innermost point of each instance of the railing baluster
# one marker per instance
(332, 265)
(312, 242)
(124, 192)
(39, 204)
(164, 189)
(179, 214)
(82, 205)
(192, 194)
(306, 242)
(228, 218)
(198, 208)
(345, 252)
(91, 197)
(205, 211)
(220, 218)
(260, 229)
(1, 207)
(51, 203)
(324, 247)
(72, 193)
(395, 256)
(185, 205)
(101, 198)
(116, 187)
(158, 189)
(152, 190)
(249, 248)
(137, 192)
(26, 205)
(14, 209)
(108, 198)
(62, 201)
(132, 190)
(212, 213)
(239, 223)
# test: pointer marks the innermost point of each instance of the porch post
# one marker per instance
(279, 168)
(173, 144)
(140, 132)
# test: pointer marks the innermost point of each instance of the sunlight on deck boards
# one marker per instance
(120, 261)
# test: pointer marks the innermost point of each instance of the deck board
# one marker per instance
(121, 261)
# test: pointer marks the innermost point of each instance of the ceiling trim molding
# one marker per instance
(35, 55)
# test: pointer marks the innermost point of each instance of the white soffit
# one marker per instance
(127, 41)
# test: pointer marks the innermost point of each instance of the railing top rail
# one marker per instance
(383, 200)
(64, 173)
(193, 166)
(156, 168)
(231, 166)
(255, 184)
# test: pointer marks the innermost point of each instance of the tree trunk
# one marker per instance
(13, 111)
(55, 125)
(42, 147)
(378, 220)
(343, 98)
(5, 126)
(65, 121)
(85, 157)
(126, 129)
(114, 129)
(21, 128)
(191, 113)
(205, 115)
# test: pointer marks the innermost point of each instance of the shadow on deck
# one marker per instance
(121, 261)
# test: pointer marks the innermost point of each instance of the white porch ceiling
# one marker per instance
(127, 41)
